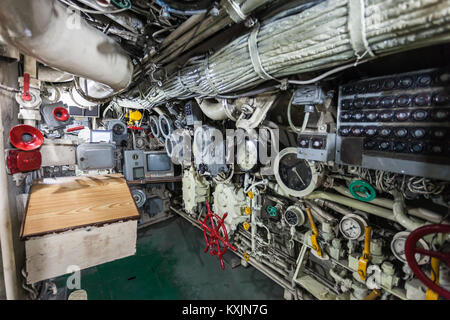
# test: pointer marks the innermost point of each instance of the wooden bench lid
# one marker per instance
(61, 204)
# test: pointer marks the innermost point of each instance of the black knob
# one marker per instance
(440, 115)
(417, 147)
(386, 115)
(344, 131)
(371, 116)
(388, 84)
(405, 82)
(400, 146)
(387, 102)
(360, 87)
(346, 116)
(371, 131)
(439, 133)
(437, 148)
(420, 115)
(317, 143)
(371, 102)
(424, 80)
(358, 103)
(403, 100)
(303, 142)
(384, 146)
(401, 115)
(374, 86)
(418, 133)
(385, 132)
(357, 131)
(401, 132)
(346, 104)
(422, 99)
(370, 145)
(358, 116)
(441, 98)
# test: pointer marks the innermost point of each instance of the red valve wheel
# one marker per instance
(411, 249)
(25, 137)
(61, 114)
(215, 239)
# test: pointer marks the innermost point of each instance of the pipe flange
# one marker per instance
(165, 125)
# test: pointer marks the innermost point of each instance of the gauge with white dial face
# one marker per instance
(398, 248)
(247, 155)
(352, 227)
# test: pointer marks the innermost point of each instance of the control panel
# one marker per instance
(399, 123)
(316, 147)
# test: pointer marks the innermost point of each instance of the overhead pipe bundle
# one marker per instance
(331, 33)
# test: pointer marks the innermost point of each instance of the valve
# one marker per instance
(364, 260)
(411, 250)
(314, 234)
(213, 238)
(26, 96)
(362, 190)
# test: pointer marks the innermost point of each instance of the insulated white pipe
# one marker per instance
(214, 111)
(60, 38)
(9, 263)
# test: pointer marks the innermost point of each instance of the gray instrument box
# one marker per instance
(134, 165)
(92, 156)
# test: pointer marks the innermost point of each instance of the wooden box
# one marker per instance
(77, 221)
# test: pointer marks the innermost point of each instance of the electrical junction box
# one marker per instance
(316, 147)
(91, 156)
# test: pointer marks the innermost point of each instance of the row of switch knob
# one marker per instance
(440, 78)
(416, 147)
(399, 132)
(424, 99)
(398, 115)
(315, 143)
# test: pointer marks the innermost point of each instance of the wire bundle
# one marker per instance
(314, 39)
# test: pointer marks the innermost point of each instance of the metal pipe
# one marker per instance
(6, 240)
(47, 74)
(399, 213)
(389, 204)
(212, 110)
(60, 38)
(355, 204)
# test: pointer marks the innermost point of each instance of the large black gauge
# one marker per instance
(297, 177)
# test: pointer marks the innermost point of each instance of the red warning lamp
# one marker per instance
(25, 137)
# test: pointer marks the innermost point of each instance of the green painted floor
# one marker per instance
(170, 263)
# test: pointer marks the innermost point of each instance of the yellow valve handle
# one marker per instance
(246, 226)
(314, 233)
(250, 194)
(430, 294)
(248, 211)
(134, 116)
(246, 256)
(364, 260)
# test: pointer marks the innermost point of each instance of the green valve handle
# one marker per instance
(358, 188)
(272, 211)
(122, 3)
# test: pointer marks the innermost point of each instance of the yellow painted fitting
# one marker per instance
(246, 225)
(248, 211)
(364, 260)
(373, 295)
(430, 294)
(134, 116)
(250, 194)
(314, 233)
(246, 256)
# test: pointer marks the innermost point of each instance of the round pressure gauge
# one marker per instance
(398, 248)
(297, 177)
(352, 227)
(294, 216)
(247, 154)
